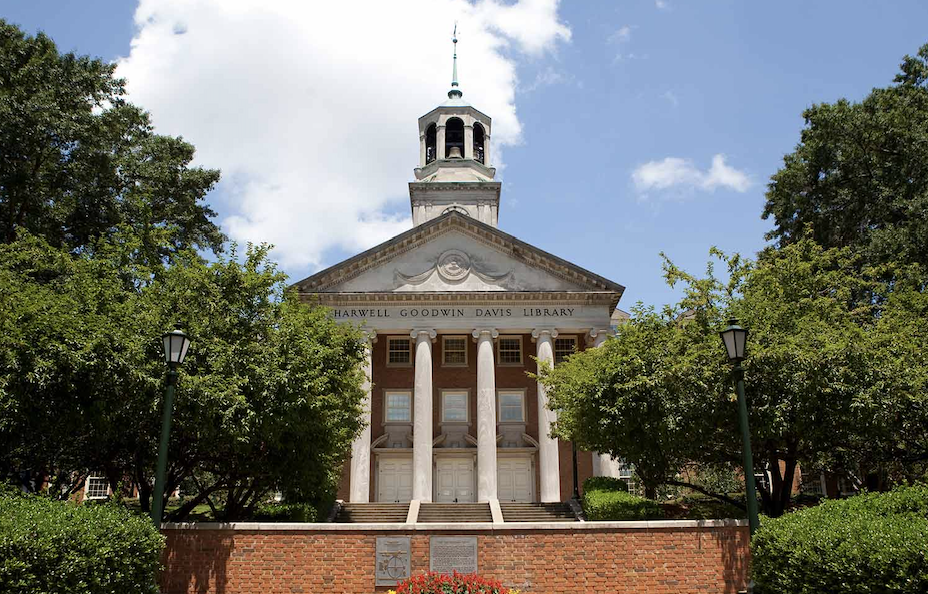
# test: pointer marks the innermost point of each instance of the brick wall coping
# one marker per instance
(457, 527)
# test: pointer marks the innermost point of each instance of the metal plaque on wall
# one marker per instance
(453, 553)
(392, 560)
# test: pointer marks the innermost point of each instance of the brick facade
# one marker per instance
(663, 559)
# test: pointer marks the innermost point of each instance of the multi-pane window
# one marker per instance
(563, 347)
(813, 484)
(454, 407)
(397, 406)
(454, 350)
(511, 407)
(510, 350)
(399, 351)
(97, 486)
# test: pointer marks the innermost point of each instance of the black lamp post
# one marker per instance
(176, 344)
(735, 339)
(573, 448)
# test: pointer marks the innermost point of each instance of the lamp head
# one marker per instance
(735, 339)
(176, 344)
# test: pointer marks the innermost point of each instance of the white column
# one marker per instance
(486, 415)
(440, 142)
(603, 464)
(360, 480)
(547, 445)
(469, 141)
(422, 417)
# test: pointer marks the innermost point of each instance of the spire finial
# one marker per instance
(455, 91)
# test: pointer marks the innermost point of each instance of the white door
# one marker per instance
(394, 480)
(514, 479)
(455, 480)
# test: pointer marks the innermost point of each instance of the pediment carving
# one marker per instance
(453, 267)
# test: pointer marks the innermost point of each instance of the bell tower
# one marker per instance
(454, 172)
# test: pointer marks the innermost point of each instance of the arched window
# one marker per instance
(431, 144)
(478, 142)
(454, 138)
(454, 208)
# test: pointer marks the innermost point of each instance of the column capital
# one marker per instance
(416, 333)
(369, 335)
(478, 332)
(542, 332)
(597, 335)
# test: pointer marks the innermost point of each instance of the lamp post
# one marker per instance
(735, 340)
(176, 344)
(573, 447)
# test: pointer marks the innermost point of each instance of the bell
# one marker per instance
(455, 153)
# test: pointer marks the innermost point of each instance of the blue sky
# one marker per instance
(637, 82)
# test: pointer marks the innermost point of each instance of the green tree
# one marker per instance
(859, 175)
(631, 397)
(825, 377)
(268, 399)
(78, 162)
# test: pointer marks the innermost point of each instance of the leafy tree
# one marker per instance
(630, 397)
(820, 381)
(78, 162)
(859, 175)
(269, 396)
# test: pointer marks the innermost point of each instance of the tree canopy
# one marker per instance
(78, 162)
(103, 226)
(823, 377)
(859, 175)
(268, 399)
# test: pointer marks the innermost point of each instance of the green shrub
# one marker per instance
(53, 546)
(286, 512)
(609, 500)
(870, 543)
(605, 483)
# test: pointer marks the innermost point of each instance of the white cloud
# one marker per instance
(310, 108)
(622, 35)
(547, 77)
(620, 57)
(662, 4)
(671, 98)
(677, 173)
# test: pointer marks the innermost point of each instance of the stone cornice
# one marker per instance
(483, 298)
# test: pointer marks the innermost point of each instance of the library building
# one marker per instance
(457, 312)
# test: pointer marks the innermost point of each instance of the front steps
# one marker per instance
(452, 513)
(372, 513)
(537, 512)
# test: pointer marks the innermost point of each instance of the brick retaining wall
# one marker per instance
(594, 557)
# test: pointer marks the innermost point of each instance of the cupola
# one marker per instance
(454, 170)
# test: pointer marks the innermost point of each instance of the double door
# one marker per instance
(454, 480)
(394, 480)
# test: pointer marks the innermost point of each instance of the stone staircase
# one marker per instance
(536, 512)
(455, 512)
(372, 513)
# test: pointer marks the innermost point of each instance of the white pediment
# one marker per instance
(454, 261)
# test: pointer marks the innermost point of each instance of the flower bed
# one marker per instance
(457, 583)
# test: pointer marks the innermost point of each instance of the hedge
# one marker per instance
(870, 543)
(607, 498)
(53, 546)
